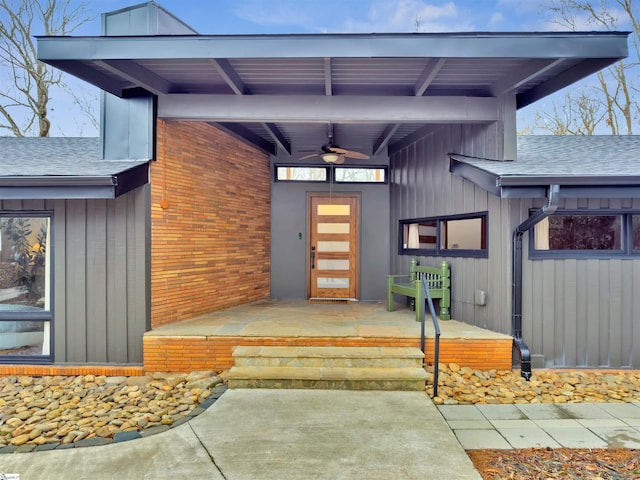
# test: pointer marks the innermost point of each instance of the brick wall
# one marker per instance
(211, 244)
(190, 353)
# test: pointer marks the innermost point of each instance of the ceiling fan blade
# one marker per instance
(351, 154)
(309, 156)
(337, 149)
(340, 160)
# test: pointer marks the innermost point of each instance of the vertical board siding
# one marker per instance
(576, 313)
(583, 312)
(98, 315)
(436, 192)
(211, 246)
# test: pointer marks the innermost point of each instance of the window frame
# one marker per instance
(445, 252)
(626, 250)
(38, 316)
(330, 176)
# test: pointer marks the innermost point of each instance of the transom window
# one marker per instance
(601, 234)
(327, 173)
(25, 287)
(454, 235)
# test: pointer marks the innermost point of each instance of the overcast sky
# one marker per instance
(319, 16)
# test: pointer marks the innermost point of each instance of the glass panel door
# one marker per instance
(333, 248)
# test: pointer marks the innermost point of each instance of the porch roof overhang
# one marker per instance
(583, 167)
(284, 93)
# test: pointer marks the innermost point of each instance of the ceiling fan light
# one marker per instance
(330, 157)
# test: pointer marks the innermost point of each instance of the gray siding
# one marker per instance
(582, 312)
(422, 187)
(289, 255)
(576, 313)
(100, 276)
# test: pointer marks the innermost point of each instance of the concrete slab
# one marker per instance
(460, 412)
(469, 424)
(481, 439)
(584, 410)
(592, 423)
(622, 410)
(519, 424)
(576, 437)
(304, 434)
(528, 437)
(558, 423)
(622, 437)
(170, 455)
(501, 412)
(541, 411)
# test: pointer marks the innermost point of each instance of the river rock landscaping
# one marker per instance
(41, 413)
(465, 386)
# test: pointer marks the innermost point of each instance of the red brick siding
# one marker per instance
(211, 247)
(189, 353)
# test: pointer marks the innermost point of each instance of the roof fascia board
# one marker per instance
(342, 109)
(475, 45)
(521, 186)
(74, 187)
(76, 192)
(572, 191)
(482, 178)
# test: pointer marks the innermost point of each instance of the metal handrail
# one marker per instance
(427, 294)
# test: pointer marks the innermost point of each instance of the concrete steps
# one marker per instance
(340, 368)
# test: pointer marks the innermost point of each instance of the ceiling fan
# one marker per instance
(332, 153)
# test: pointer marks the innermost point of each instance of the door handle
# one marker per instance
(313, 257)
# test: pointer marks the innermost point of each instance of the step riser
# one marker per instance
(386, 385)
(329, 362)
(338, 368)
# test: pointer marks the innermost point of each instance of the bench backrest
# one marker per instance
(437, 277)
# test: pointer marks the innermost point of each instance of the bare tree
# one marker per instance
(613, 103)
(24, 96)
(576, 115)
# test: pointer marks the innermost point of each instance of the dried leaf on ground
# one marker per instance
(543, 464)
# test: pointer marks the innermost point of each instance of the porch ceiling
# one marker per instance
(282, 92)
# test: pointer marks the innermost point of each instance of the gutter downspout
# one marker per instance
(516, 293)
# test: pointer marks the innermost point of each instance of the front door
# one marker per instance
(334, 250)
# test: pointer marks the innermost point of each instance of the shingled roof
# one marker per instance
(598, 165)
(61, 167)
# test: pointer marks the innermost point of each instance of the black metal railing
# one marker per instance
(436, 358)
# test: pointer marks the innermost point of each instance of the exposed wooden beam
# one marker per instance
(337, 109)
(427, 76)
(137, 75)
(384, 138)
(529, 71)
(245, 135)
(413, 137)
(567, 77)
(230, 76)
(328, 83)
(278, 137)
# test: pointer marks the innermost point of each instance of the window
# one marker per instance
(25, 287)
(360, 175)
(330, 173)
(596, 234)
(454, 235)
(301, 174)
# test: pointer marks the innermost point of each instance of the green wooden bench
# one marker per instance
(438, 280)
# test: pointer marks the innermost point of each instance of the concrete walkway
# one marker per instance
(277, 434)
(577, 425)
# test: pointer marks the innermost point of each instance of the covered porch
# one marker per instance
(206, 342)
